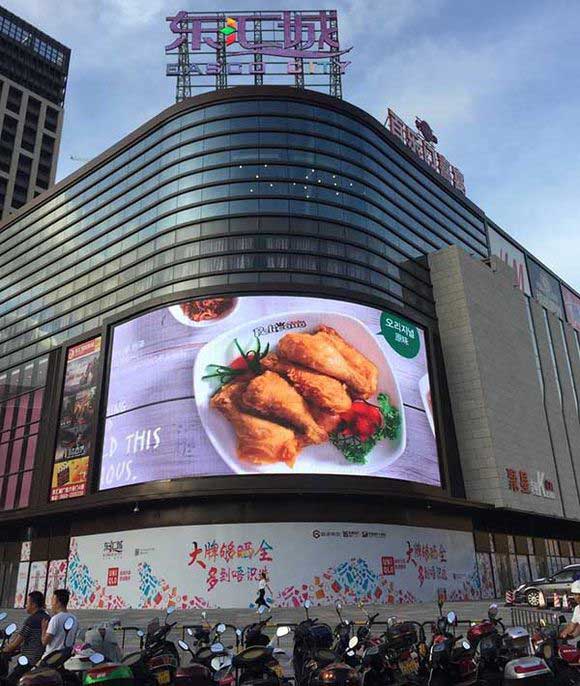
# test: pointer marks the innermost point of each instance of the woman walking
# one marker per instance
(262, 586)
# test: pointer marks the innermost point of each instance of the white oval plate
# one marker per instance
(182, 318)
(424, 387)
(315, 459)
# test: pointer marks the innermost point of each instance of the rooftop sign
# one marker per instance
(299, 47)
(422, 143)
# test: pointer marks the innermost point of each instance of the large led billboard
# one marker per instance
(268, 385)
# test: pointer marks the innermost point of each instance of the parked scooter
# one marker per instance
(5, 635)
(200, 673)
(158, 661)
(338, 673)
(312, 648)
(450, 657)
(50, 670)
(258, 665)
(562, 657)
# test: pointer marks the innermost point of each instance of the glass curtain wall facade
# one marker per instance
(213, 196)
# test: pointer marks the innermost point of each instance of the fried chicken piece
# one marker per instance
(356, 359)
(318, 389)
(327, 419)
(272, 396)
(319, 352)
(259, 440)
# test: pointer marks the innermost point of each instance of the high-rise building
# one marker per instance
(33, 75)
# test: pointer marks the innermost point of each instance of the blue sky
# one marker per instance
(495, 80)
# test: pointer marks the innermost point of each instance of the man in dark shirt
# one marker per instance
(29, 639)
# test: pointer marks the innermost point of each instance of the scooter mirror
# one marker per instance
(282, 631)
(97, 658)
(69, 623)
(217, 648)
(10, 629)
(183, 645)
(492, 611)
(339, 606)
(23, 661)
(3, 616)
(140, 633)
(220, 628)
(451, 618)
(466, 645)
(307, 604)
(262, 609)
(204, 615)
(171, 610)
(353, 642)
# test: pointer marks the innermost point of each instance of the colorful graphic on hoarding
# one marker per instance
(545, 289)
(77, 421)
(56, 577)
(220, 565)
(512, 256)
(264, 385)
(572, 307)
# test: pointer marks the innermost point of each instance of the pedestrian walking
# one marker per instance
(262, 587)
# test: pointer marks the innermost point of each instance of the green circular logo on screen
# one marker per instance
(401, 335)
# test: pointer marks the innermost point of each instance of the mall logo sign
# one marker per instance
(520, 482)
(306, 40)
(112, 549)
(421, 143)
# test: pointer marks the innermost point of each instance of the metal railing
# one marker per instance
(530, 618)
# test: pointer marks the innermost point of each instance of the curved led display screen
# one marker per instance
(268, 385)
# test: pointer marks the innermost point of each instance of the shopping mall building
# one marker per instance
(261, 333)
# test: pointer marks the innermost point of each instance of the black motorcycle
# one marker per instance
(158, 660)
(257, 664)
(313, 643)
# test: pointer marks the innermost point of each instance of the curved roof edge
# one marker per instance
(229, 94)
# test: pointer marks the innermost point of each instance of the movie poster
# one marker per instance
(74, 447)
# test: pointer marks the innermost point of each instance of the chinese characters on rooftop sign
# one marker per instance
(425, 150)
(303, 45)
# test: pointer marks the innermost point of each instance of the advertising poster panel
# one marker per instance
(21, 584)
(546, 289)
(56, 577)
(77, 421)
(268, 385)
(502, 248)
(572, 307)
(37, 579)
(220, 565)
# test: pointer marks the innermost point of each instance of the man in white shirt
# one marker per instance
(572, 629)
(54, 635)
